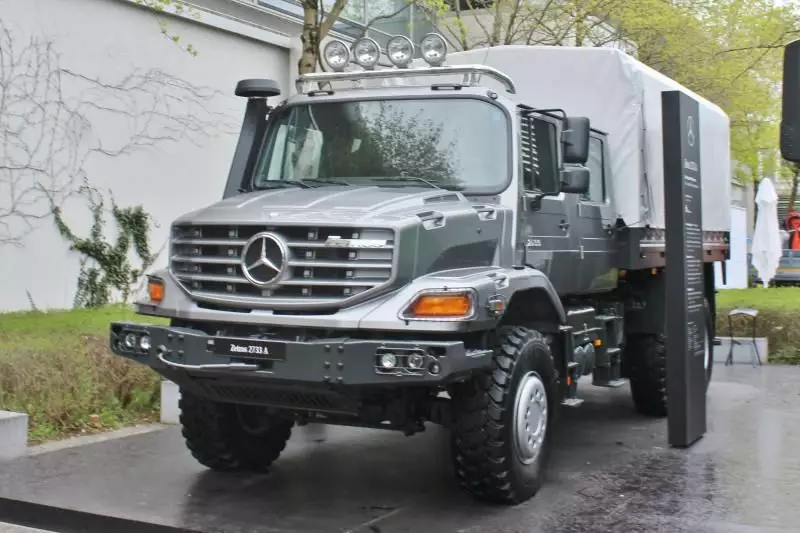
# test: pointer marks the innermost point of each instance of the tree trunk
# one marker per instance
(309, 38)
(497, 23)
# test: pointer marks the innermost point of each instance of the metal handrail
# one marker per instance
(470, 72)
(215, 366)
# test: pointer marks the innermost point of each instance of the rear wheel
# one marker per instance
(503, 420)
(647, 359)
(232, 437)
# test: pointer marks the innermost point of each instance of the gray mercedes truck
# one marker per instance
(466, 244)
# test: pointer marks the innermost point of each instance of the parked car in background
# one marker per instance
(788, 269)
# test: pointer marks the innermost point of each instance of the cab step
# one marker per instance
(613, 384)
(573, 376)
(572, 402)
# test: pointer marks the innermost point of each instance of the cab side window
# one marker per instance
(539, 154)
(597, 179)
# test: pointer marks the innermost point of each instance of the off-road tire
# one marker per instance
(646, 357)
(218, 440)
(484, 457)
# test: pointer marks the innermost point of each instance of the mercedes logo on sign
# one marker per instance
(690, 130)
(264, 259)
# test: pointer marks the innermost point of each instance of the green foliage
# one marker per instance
(106, 267)
(180, 8)
(728, 51)
(778, 319)
(56, 367)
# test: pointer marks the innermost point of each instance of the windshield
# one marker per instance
(453, 143)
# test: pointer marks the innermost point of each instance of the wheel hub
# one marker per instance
(253, 420)
(530, 418)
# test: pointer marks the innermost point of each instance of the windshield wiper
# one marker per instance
(409, 178)
(324, 182)
(280, 184)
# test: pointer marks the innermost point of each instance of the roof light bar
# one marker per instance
(336, 54)
(366, 53)
(471, 73)
(400, 51)
(434, 49)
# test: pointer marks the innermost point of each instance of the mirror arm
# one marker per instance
(536, 202)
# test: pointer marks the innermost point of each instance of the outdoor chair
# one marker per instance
(753, 315)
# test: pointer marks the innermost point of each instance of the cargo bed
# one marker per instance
(622, 97)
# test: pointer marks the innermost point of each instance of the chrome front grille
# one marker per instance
(324, 265)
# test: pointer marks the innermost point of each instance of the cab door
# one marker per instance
(546, 235)
(595, 222)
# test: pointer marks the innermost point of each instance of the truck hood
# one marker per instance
(327, 205)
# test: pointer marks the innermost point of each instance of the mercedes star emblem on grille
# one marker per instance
(264, 259)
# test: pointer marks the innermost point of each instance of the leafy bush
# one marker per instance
(56, 366)
(778, 318)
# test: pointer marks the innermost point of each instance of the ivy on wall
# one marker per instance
(106, 268)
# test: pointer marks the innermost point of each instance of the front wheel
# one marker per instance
(232, 437)
(503, 420)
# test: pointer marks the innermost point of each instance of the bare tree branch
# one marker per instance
(326, 25)
(50, 118)
(157, 7)
(389, 16)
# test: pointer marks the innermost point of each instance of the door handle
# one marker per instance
(564, 225)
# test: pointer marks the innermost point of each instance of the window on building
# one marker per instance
(539, 154)
(466, 5)
(597, 182)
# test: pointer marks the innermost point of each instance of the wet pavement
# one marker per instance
(611, 472)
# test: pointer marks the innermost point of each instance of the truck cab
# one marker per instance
(397, 247)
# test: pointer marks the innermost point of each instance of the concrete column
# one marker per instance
(13, 435)
(170, 396)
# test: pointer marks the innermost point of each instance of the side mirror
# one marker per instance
(575, 180)
(790, 105)
(575, 140)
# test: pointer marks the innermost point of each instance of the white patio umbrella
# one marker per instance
(767, 248)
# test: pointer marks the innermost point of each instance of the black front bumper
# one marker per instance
(349, 362)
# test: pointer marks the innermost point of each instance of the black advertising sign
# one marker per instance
(685, 328)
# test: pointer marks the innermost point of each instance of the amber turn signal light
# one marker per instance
(442, 305)
(155, 290)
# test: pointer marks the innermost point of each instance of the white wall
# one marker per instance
(130, 86)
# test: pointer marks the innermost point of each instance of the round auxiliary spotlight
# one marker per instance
(336, 55)
(130, 341)
(416, 361)
(144, 343)
(366, 53)
(388, 361)
(400, 51)
(434, 49)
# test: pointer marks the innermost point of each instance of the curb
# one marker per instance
(83, 440)
(14, 429)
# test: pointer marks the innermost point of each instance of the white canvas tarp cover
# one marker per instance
(622, 97)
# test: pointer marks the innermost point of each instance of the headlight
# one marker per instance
(400, 50)
(434, 49)
(366, 52)
(336, 55)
